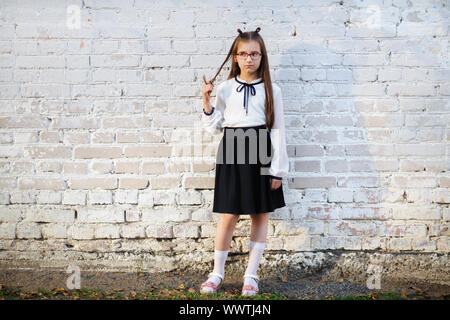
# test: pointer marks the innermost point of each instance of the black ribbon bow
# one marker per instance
(248, 89)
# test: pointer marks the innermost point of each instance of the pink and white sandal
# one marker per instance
(209, 284)
(249, 290)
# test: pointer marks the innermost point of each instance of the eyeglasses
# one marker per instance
(243, 55)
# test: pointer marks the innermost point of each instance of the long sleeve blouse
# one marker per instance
(242, 104)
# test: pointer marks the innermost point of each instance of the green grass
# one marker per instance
(165, 293)
(14, 293)
(388, 295)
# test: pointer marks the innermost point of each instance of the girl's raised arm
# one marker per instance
(212, 122)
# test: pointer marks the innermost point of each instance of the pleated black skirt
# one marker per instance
(242, 181)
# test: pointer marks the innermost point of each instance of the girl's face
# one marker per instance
(248, 63)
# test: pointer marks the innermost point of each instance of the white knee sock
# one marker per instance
(256, 252)
(219, 261)
(219, 265)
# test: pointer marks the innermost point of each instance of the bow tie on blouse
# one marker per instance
(248, 89)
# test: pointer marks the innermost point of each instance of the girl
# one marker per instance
(246, 103)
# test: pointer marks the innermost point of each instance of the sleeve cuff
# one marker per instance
(208, 114)
(275, 177)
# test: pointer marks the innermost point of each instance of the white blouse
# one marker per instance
(238, 104)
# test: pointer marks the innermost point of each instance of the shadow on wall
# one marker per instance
(365, 130)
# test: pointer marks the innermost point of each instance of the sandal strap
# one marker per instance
(249, 287)
(209, 284)
(254, 276)
(216, 274)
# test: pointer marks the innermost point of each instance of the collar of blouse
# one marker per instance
(248, 89)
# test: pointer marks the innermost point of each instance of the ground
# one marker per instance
(29, 283)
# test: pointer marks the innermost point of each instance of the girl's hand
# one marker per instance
(207, 88)
(275, 184)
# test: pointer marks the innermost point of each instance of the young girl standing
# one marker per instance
(247, 102)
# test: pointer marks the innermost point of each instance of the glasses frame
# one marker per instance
(259, 55)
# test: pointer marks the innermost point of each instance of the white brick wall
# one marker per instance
(98, 122)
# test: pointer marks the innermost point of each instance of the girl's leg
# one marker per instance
(225, 229)
(224, 234)
(258, 236)
(259, 226)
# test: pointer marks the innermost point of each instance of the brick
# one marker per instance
(130, 197)
(41, 184)
(186, 231)
(47, 197)
(107, 231)
(100, 197)
(164, 197)
(340, 195)
(159, 232)
(400, 244)
(28, 230)
(160, 151)
(54, 231)
(26, 197)
(132, 215)
(74, 197)
(92, 183)
(373, 243)
(81, 232)
(164, 182)
(102, 167)
(44, 214)
(127, 167)
(189, 198)
(133, 183)
(7, 230)
(96, 152)
(166, 214)
(51, 152)
(397, 229)
(351, 228)
(153, 168)
(133, 231)
(348, 243)
(111, 215)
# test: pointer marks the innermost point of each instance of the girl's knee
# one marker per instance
(259, 216)
(230, 217)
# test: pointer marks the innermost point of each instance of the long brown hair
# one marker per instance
(263, 71)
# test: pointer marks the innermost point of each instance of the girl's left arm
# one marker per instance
(279, 167)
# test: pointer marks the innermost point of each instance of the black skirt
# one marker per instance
(242, 181)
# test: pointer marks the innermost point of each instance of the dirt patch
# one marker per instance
(311, 287)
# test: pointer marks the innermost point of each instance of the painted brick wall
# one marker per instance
(102, 155)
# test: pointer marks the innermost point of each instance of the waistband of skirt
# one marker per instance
(252, 127)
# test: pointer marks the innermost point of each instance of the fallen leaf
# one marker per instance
(417, 289)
